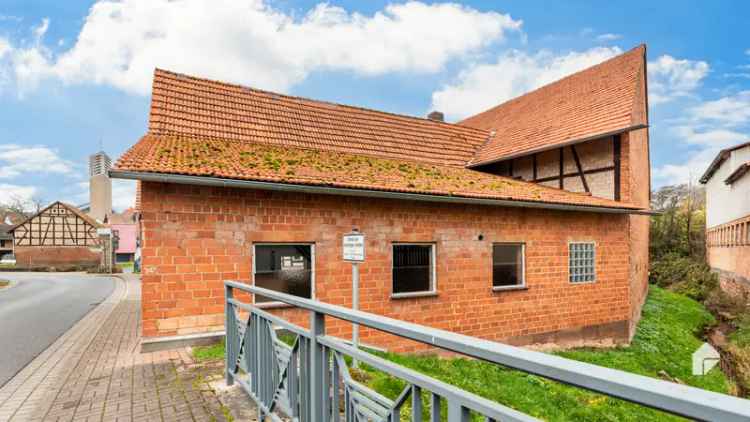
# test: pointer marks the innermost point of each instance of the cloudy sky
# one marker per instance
(75, 75)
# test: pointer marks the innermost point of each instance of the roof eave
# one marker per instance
(556, 146)
(737, 174)
(288, 187)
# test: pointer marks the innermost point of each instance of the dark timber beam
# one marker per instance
(566, 175)
(616, 161)
(580, 168)
(562, 168)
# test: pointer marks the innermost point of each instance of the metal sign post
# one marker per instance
(354, 252)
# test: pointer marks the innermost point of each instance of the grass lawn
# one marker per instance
(666, 338)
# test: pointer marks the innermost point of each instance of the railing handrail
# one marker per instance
(667, 396)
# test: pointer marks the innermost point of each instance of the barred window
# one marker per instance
(413, 269)
(581, 262)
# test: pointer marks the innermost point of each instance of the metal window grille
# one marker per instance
(581, 262)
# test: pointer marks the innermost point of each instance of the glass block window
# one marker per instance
(581, 262)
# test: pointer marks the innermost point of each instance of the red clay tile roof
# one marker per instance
(282, 164)
(208, 128)
(187, 106)
(604, 99)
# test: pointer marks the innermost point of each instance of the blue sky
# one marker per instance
(75, 75)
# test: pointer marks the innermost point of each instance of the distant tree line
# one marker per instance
(680, 227)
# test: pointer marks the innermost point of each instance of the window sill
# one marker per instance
(508, 288)
(272, 305)
(576, 283)
(413, 295)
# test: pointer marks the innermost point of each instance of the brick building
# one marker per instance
(728, 218)
(522, 224)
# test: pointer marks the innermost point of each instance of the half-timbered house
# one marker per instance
(59, 235)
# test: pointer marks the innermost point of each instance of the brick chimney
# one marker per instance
(436, 116)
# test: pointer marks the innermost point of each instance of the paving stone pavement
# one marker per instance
(95, 372)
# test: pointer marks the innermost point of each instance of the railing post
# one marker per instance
(229, 337)
(318, 389)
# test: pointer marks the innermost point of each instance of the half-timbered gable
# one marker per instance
(57, 236)
(57, 225)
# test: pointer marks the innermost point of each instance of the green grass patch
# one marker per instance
(741, 337)
(667, 336)
(210, 352)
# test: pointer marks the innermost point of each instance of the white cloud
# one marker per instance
(715, 137)
(482, 86)
(123, 194)
(16, 160)
(608, 37)
(252, 43)
(706, 128)
(670, 78)
(689, 171)
(731, 111)
(10, 193)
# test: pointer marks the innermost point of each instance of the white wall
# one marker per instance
(725, 203)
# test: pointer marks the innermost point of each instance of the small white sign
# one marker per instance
(354, 247)
(704, 359)
(104, 232)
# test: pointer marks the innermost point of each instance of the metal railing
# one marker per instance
(310, 379)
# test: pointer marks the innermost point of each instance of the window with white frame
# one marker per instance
(285, 268)
(581, 262)
(508, 265)
(413, 268)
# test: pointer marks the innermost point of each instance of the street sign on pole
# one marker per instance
(354, 246)
(354, 252)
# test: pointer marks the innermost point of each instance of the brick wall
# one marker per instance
(636, 189)
(56, 256)
(195, 237)
(728, 253)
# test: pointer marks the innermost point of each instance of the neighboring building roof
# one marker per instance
(5, 232)
(740, 171)
(719, 159)
(602, 100)
(230, 159)
(126, 217)
(187, 106)
(8, 219)
(73, 209)
(127, 234)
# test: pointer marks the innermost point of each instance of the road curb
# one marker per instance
(26, 396)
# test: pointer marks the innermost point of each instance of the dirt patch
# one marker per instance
(4, 283)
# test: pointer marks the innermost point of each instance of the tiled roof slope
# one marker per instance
(187, 106)
(602, 99)
(283, 164)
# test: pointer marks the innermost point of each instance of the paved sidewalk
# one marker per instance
(95, 372)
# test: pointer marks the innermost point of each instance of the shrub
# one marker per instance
(684, 275)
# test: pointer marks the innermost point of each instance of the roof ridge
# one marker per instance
(312, 100)
(564, 78)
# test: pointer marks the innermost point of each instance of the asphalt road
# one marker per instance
(38, 309)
